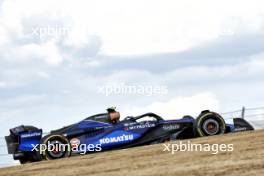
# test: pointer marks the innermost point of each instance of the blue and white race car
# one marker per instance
(101, 132)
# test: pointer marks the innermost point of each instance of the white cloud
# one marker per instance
(43, 74)
(177, 107)
(141, 27)
(47, 52)
(2, 84)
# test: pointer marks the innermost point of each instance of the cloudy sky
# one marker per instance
(58, 58)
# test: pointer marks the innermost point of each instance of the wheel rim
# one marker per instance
(56, 151)
(211, 127)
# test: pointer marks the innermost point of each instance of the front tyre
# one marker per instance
(209, 124)
(24, 161)
(57, 146)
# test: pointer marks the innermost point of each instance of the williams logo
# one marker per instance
(171, 127)
(117, 139)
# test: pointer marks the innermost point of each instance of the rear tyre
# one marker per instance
(209, 124)
(29, 158)
(57, 146)
(24, 161)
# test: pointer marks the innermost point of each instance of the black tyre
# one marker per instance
(29, 158)
(25, 161)
(209, 124)
(57, 146)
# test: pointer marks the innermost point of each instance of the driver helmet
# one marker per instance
(111, 109)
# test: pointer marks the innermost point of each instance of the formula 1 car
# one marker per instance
(91, 135)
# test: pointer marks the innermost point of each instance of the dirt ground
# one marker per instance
(247, 159)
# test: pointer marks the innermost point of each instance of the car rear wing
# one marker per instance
(23, 138)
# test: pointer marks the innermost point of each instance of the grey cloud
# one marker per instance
(87, 51)
(225, 51)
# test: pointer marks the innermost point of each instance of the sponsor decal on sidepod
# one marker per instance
(122, 138)
(171, 127)
(75, 142)
(141, 126)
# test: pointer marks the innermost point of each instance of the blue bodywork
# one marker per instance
(107, 135)
(95, 133)
(27, 140)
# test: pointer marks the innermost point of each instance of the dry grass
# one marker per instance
(247, 159)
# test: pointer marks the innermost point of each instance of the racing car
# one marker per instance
(93, 134)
